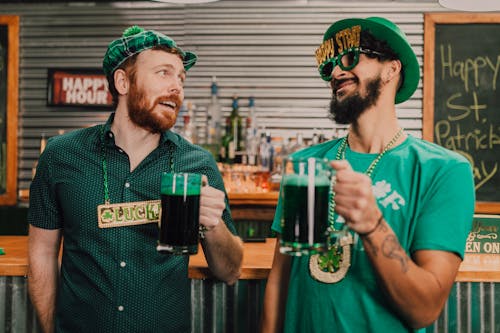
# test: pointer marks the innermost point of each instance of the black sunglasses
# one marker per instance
(346, 60)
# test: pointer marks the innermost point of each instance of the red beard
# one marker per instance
(152, 117)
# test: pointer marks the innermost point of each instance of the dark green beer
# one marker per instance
(180, 220)
(295, 236)
(295, 227)
(180, 213)
(305, 195)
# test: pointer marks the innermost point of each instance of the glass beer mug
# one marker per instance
(305, 198)
(180, 213)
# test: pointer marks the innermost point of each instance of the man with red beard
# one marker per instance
(112, 279)
(401, 207)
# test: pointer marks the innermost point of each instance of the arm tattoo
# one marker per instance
(393, 250)
(371, 247)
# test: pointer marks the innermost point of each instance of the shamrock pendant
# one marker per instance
(332, 266)
(330, 261)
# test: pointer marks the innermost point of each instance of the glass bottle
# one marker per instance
(266, 153)
(226, 142)
(188, 130)
(213, 133)
(322, 138)
(298, 144)
(315, 138)
(236, 143)
(251, 139)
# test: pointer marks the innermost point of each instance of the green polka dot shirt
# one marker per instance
(113, 279)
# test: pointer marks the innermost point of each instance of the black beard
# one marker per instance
(352, 107)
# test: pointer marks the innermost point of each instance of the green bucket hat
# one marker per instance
(384, 30)
(135, 40)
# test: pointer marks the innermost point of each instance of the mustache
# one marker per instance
(169, 98)
(336, 83)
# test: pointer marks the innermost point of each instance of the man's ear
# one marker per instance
(122, 83)
(392, 70)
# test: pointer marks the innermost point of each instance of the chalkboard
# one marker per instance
(462, 95)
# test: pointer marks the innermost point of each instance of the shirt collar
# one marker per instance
(108, 136)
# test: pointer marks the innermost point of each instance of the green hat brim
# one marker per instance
(385, 30)
(189, 60)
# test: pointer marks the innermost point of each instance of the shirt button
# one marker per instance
(127, 184)
(120, 308)
(123, 264)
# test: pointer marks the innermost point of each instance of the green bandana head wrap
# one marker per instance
(135, 40)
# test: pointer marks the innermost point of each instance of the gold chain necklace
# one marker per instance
(332, 266)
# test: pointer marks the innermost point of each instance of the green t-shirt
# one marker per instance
(426, 194)
(113, 279)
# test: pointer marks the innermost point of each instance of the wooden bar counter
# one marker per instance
(257, 261)
(479, 274)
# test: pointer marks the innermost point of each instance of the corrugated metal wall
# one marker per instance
(217, 308)
(259, 48)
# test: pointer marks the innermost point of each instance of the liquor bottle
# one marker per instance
(188, 130)
(266, 153)
(225, 143)
(213, 134)
(234, 145)
(298, 144)
(280, 153)
(322, 138)
(315, 138)
(251, 139)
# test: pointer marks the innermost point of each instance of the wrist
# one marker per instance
(203, 229)
(368, 233)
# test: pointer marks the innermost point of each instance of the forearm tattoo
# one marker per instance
(370, 245)
(393, 250)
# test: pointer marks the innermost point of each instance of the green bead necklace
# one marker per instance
(332, 266)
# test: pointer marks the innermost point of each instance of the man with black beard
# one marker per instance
(111, 277)
(402, 206)
(347, 110)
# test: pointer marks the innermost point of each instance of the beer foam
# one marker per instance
(302, 180)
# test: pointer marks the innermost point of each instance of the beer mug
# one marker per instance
(305, 199)
(180, 213)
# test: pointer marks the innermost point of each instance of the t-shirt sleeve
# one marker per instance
(446, 219)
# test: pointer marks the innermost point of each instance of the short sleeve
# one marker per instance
(446, 219)
(43, 209)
